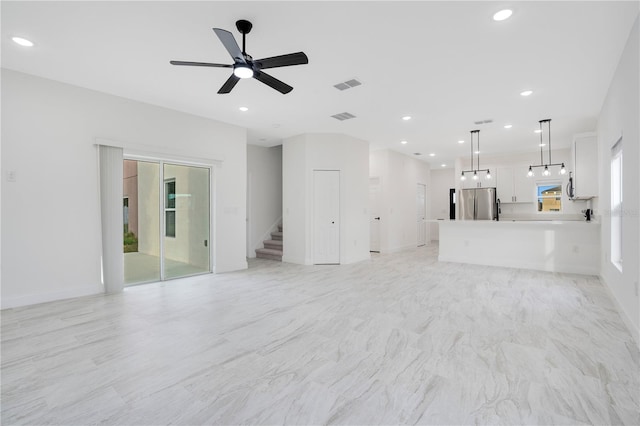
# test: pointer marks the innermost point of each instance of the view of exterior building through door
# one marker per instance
(374, 214)
(167, 227)
(326, 217)
(421, 214)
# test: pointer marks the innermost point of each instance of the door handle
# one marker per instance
(376, 218)
(332, 222)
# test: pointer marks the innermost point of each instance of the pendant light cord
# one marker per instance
(478, 151)
(549, 136)
(541, 151)
(471, 150)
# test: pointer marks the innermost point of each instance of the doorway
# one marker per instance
(421, 213)
(374, 214)
(167, 217)
(326, 217)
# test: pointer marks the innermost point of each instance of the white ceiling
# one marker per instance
(446, 64)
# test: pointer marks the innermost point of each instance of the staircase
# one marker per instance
(273, 247)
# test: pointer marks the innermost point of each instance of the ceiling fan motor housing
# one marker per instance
(244, 26)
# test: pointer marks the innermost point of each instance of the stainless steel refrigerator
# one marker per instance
(477, 204)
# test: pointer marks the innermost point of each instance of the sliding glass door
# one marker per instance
(186, 220)
(166, 221)
(141, 221)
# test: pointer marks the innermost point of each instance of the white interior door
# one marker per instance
(374, 214)
(326, 217)
(421, 213)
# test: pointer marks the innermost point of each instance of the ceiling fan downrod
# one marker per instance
(244, 27)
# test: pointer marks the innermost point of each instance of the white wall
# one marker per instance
(619, 117)
(302, 155)
(399, 175)
(51, 216)
(442, 180)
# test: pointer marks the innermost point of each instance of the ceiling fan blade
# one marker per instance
(272, 82)
(298, 58)
(200, 64)
(229, 84)
(229, 43)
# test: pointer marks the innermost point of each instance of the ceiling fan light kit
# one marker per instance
(244, 66)
(242, 71)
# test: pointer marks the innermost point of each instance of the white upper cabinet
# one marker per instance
(513, 185)
(584, 152)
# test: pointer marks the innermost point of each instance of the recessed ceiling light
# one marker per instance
(537, 131)
(22, 41)
(406, 118)
(476, 152)
(443, 165)
(508, 126)
(460, 141)
(432, 155)
(502, 15)
(542, 144)
(526, 93)
(403, 142)
(243, 109)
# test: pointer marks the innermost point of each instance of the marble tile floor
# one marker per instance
(400, 339)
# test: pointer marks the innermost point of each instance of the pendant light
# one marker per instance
(546, 166)
(475, 171)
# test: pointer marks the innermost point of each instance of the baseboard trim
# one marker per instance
(230, 268)
(34, 299)
(633, 330)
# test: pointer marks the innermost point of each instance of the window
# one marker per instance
(616, 205)
(170, 208)
(549, 197)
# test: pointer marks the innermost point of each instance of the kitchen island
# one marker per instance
(546, 245)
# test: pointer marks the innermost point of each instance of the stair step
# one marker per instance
(280, 228)
(276, 236)
(265, 253)
(273, 244)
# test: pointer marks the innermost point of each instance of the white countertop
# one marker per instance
(512, 222)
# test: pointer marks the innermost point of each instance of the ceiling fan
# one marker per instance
(244, 66)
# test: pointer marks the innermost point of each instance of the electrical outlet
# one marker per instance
(575, 249)
(11, 176)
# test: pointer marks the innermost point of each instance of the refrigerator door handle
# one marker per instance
(475, 205)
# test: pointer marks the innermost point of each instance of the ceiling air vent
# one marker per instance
(347, 84)
(343, 116)
(483, 121)
(417, 153)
